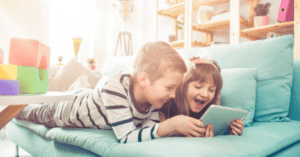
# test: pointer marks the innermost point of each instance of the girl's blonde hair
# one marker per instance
(203, 73)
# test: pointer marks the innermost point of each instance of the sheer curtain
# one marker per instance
(69, 19)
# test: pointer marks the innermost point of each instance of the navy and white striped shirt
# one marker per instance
(109, 106)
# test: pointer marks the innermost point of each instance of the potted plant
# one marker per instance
(60, 58)
(91, 62)
(261, 10)
(179, 27)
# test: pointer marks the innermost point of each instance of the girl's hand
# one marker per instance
(236, 127)
(189, 126)
(209, 131)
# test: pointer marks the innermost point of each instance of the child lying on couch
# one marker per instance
(123, 101)
(201, 87)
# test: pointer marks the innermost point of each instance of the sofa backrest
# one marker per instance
(273, 59)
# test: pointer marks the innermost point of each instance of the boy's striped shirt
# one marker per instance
(109, 106)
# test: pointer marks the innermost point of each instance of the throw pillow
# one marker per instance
(239, 90)
(69, 73)
(81, 82)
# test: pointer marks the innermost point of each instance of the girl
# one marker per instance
(201, 87)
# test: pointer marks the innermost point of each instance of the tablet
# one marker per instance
(221, 117)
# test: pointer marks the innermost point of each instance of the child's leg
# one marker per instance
(41, 114)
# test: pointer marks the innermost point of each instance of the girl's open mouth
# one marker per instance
(199, 103)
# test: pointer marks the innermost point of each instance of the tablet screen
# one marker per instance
(221, 117)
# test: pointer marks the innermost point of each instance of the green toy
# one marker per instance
(33, 80)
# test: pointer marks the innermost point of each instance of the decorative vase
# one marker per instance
(76, 45)
(92, 67)
(261, 21)
(60, 58)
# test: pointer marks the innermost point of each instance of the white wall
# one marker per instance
(23, 19)
(71, 19)
(101, 33)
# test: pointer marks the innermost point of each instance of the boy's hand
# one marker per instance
(162, 116)
(189, 126)
(209, 131)
(236, 127)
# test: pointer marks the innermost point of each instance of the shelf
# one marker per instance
(180, 44)
(177, 44)
(212, 26)
(261, 32)
(177, 9)
(173, 11)
(197, 3)
(201, 44)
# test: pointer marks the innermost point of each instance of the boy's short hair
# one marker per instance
(155, 58)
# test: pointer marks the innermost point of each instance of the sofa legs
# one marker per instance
(17, 151)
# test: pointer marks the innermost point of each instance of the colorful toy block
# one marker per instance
(29, 52)
(8, 72)
(9, 87)
(1, 56)
(33, 80)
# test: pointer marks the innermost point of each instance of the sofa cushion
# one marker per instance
(273, 59)
(291, 150)
(38, 146)
(68, 74)
(37, 128)
(262, 139)
(295, 98)
(98, 141)
(239, 90)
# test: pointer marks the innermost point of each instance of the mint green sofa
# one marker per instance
(259, 76)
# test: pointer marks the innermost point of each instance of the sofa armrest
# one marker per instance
(294, 113)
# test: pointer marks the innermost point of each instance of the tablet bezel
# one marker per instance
(221, 117)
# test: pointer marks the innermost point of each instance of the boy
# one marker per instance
(124, 101)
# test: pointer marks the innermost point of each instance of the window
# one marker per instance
(69, 19)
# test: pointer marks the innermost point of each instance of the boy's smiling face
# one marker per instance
(161, 90)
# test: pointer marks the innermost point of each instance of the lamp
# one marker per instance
(124, 9)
